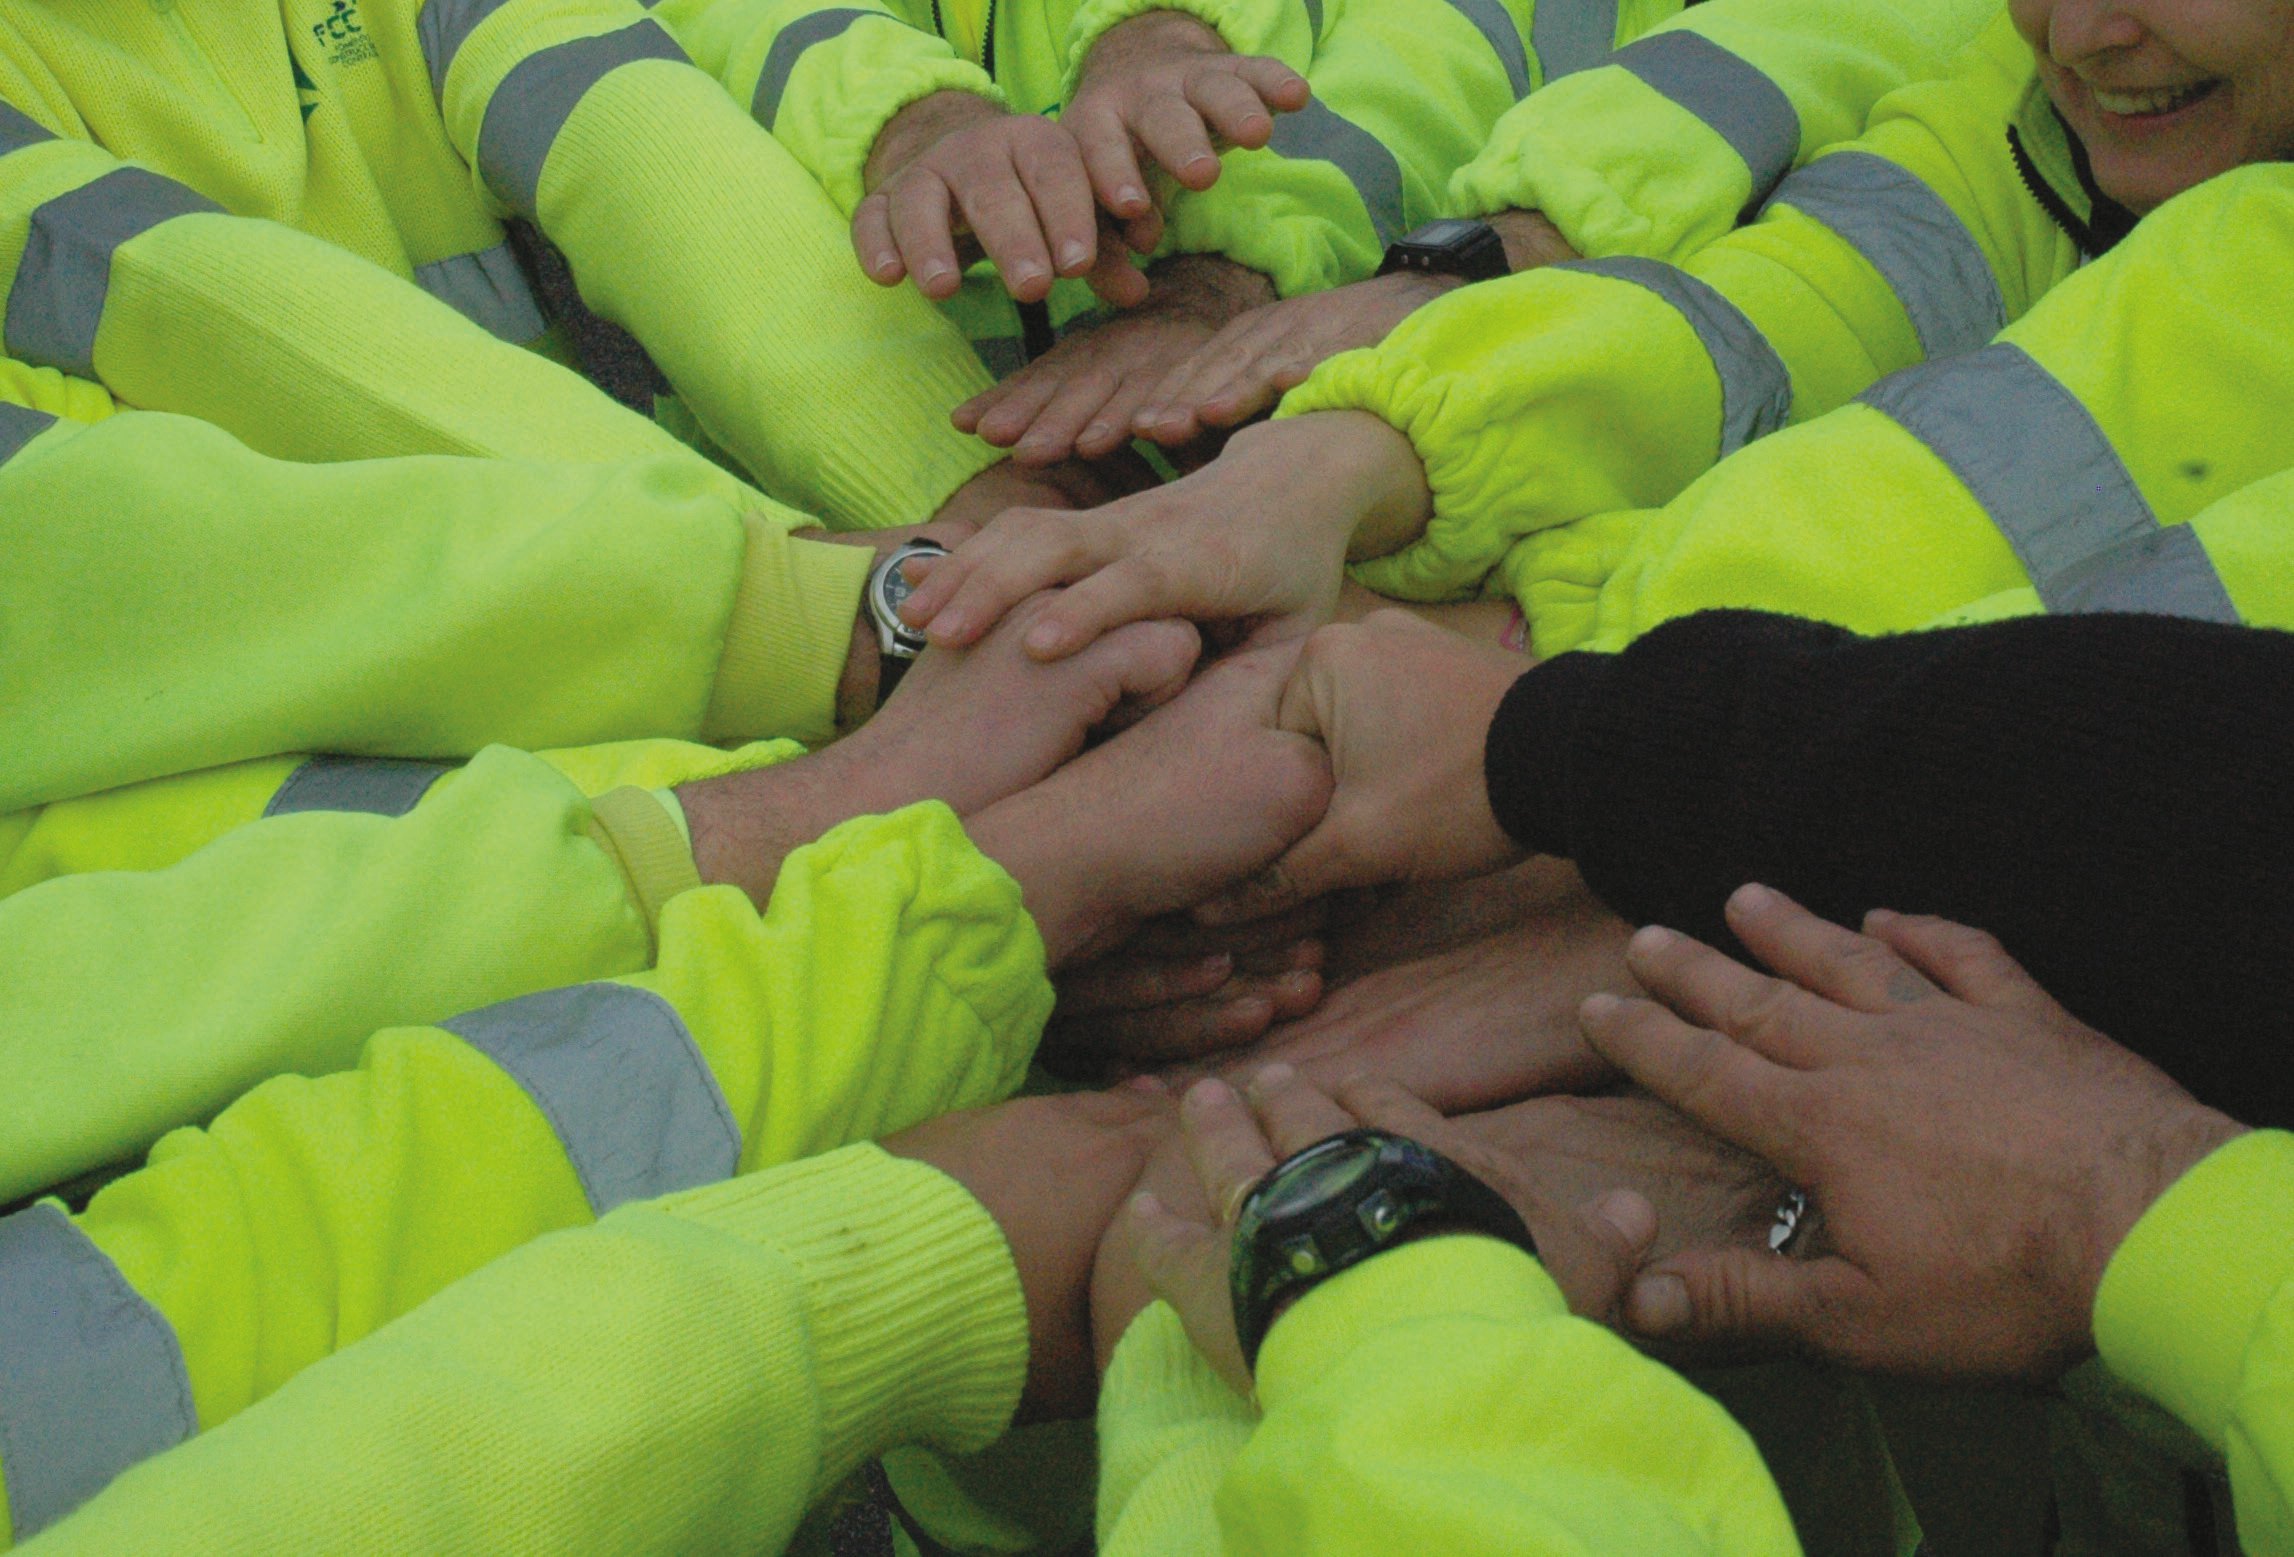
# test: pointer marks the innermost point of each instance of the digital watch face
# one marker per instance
(1315, 1181)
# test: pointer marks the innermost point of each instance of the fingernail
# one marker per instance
(1632, 1216)
(1752, 898)
(1145, 1204)
(1270, 1077)
(1210, 1092)
(1659, 1305)
(1300, 982)
(1216, 966)
(1201, 159)
(1024, 274)
(887, 262)
(1599, 1007)
(1146, 1081)
(1650, 939)
(1044, 638)
(1094, 432)
(1880, 916)
(1129, 198)
(1073, 255)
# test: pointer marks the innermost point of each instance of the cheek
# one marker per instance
(2031, 18)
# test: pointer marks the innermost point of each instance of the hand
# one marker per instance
(1166, 82)
(1261, 534)
(967, 727)
(1078, 398)
(1404, 709)
(1177, 990)
(1052, 1171)
(863, 657)
(1066, 485)
(1255, 360)
(1200, 792)
(1182, 1252)
(1976, 1153)
(956, 165)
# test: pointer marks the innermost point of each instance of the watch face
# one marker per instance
(893, 591)
(1446, 231)
(1314, 1180)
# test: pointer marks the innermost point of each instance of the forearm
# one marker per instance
(1734, 747)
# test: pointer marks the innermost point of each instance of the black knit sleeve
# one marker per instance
(2107, 794)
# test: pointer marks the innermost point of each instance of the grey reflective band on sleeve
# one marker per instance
(1313, 19)
(443, 27)
(536, 98)
(2027, 451)
(795, 39)
(92, 1380)
(2165, 573)
(1571, 35)
(57, 302)
(1315, 133)
(619, 1079)
(1736, 101)
(19, 425)
(1914, 240)
(1494, 22)
(378, 786)
(19, 130)
(489, 288)
(1756, 386)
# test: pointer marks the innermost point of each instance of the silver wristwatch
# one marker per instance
(896, 641)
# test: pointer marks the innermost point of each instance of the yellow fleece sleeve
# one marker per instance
(2196, 1310)
(692, 227)
(1660, 151)
(825, 76)
(176, 602)
(689, 1374)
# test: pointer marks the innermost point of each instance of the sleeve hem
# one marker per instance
(787, 637)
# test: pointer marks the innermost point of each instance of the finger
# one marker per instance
(1185, 1264)
(1278, 86)
(1109, 428)
(1147, 662)
(1051, 168)
(1781, 1021)
(1024, 395)
(1053, 436)
(1751, 1295)
(1737, 1094)
(1118, 283)
(1293, 1111)
(968, 416)
(921, 214)
(1226, 377)
(1126, 589)
(1229, 1153)
(997, 208)
(1173, 134)
(1857, 971)
(1023, 552)
(1595, 1250)
(1969, 962)
(1180, 936)
(873, 242)
(1110, 159)
(1237, 1013)
(1264, 894)
(1124, 982)
(1230, 107)
(1394, 1108)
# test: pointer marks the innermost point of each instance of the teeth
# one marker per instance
(2135, 104)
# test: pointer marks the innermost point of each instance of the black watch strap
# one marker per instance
(1454, 246)
(889, 669)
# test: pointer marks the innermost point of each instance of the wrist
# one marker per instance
(1218, 289)
(1061, 877)
(856, 688)
(1531, 240)
(1149, 33)
(922, 125)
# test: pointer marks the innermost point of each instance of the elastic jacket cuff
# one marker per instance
(649, 845)
(2181, 1299)
(919, 1329)
(788, 637)
(1438, 1278)
(1533, 740)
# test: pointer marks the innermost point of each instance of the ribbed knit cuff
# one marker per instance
(650, 847)
(788, 637)
(1449, 1277)
(1158, 1390)
(1527, 760)
(2180, 1301)
(919, 1329)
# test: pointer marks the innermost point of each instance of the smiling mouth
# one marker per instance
(2152, 104)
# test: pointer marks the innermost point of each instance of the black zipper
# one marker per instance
(2113, 221)
(987, 35)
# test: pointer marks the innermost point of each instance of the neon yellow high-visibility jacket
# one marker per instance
(1404, 92)
(1441, 1398)
(234, 209)
(895, 976)
(1988, 465)
(174, 601)
(1662, 149)
(167, 946)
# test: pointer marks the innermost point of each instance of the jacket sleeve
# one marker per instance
(1612, 384)
(1440, 1398)
(1659, 151)
(2196, 1311)
(2048, 461)
(690, 226)
(690, 1374)
(893, 977)
(824, 76)
(119, 276)
(1405, 91)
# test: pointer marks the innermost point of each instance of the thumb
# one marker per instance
(1741, 1294)
(1144, 662)
(1185, 1264)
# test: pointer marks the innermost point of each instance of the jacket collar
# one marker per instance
(2055, 169)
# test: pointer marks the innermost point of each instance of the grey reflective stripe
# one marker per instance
(1571, 35)
(1913, 239)
(490, 289)
(91, 1376)
(534, 101)
(789, 47)
(621, 1082)
(1317, 133)
(1001, 355)
(19, 130)
(1494, 22)
(19, 425)
(443, 27)
(1756, 386)
(379, 786)
(57, 302)
(1735, 100)
(2165, 573)
(1314, 19)
(2028, 452)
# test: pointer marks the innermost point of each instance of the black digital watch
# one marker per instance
(1453, 246)
(1339, 1202)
